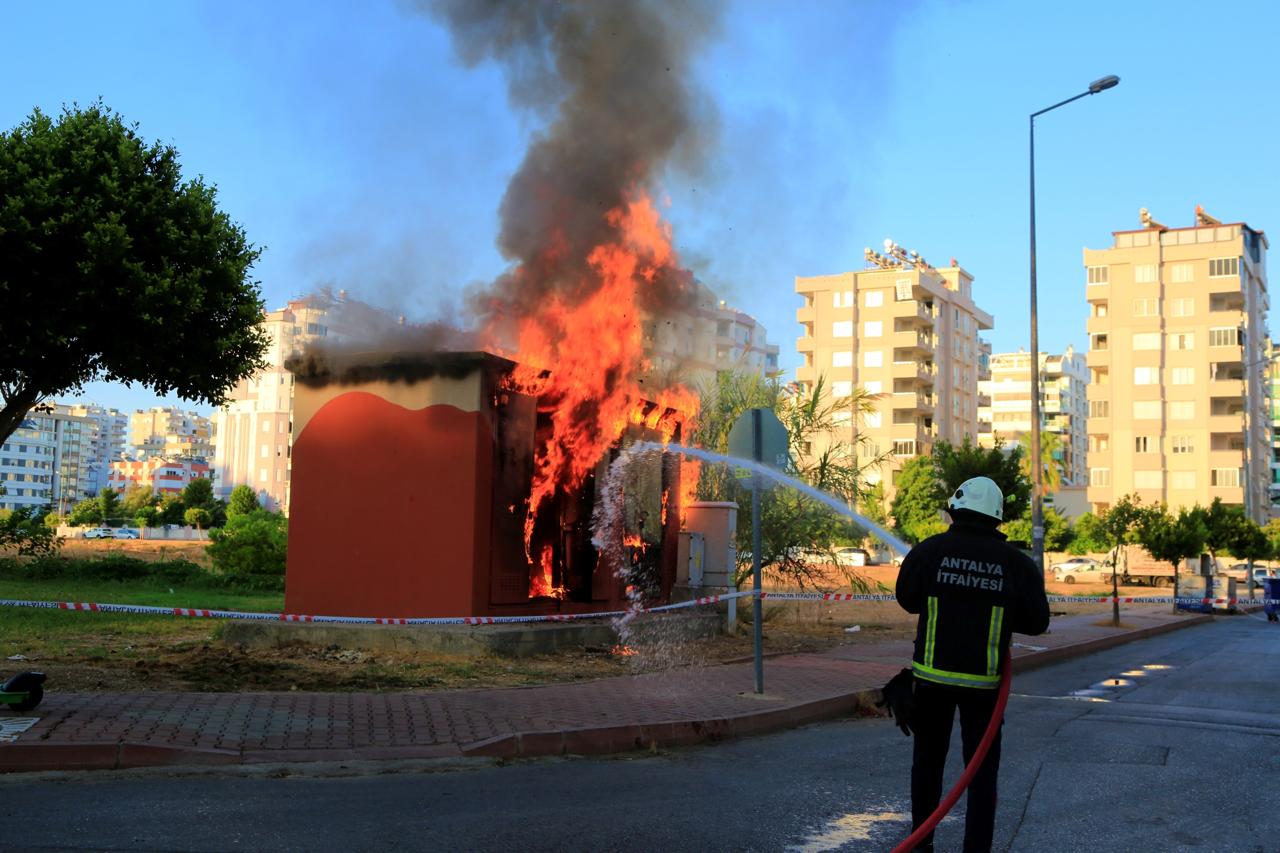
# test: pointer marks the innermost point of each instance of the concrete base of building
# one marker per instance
(510, 640)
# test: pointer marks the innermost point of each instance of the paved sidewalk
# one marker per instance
(77, 731)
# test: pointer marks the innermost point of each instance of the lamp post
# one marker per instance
(1037, 475)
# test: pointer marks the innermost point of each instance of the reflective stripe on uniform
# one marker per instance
(931, 630)
(960, 679)
(993, 640)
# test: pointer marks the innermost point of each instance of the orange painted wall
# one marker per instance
(390, 511)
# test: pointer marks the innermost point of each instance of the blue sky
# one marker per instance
(349, 142)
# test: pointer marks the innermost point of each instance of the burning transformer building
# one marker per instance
(423, 485)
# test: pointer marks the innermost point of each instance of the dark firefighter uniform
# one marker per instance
(972, 591)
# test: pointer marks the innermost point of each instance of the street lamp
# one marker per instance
(1037, 476)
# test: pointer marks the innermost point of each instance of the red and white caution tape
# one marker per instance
(206, 613)
(95, 607)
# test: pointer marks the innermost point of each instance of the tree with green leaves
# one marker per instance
(1119, 526)
(1090, 536)
(251, 549)
(955, 464)
(197, 517)
(1050, 462)
(147, 516)
(24, 531)
(1250, 543)
(918, 501)
(1222, 522)
(135, 497)
(171, 509)
(1172, 539)
(821, 455)
(1272, 531)
(87, 513)
(1058, 534)
(243, 501)
(198, 493)
(98, 233)
(109, 507)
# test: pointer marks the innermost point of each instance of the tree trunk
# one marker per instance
(15, 410)
(1115, 587)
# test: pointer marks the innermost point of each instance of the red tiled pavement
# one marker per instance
(688, 705)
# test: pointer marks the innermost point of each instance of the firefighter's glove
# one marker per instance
(898, 696)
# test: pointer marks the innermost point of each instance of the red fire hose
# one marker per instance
(969, 772)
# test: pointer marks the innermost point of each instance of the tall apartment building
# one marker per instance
(1004, 411)
(167, 432)
(711, 338)
(905, 332)
(1177, 347)
(1273, 411)
(108, 438)
(253, 431)
(26, 466)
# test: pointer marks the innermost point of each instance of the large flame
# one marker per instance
(584, 359)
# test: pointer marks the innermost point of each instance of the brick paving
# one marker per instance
(687, 705)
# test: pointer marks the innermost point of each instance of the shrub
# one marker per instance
(250, 550)
(114, 567)
(25, 531)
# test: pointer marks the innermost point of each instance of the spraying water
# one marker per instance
(607, 525)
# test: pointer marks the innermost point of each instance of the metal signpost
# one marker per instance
(758, 435)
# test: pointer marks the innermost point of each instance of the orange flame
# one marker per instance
(623, 651)
(540, 582)
(584, 358)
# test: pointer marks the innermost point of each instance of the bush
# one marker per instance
(25, 531)
(114, 567)
(250, 550)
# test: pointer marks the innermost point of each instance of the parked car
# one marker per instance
(126, 533)
(99, 533)
(1081, 570)
(852, 557)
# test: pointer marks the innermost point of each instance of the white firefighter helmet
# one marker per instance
(979, 494)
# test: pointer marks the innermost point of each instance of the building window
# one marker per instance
(872, 329)
(1182, 376)
(841, 390)
(1219, 267)
(1099, 408)
(839, 298)
(1182, 410)
(902, 290)
(1181, 444)
(1144, 273)
(1183, 306)
(842, 358)
(262, 474)
(1148, 479)
(1143, 444)
(873, 358)
(1099, 443)
(1099, 476)
(872, 420)
(904, 448)
(1146, 410)
(875, 386)
(1183, 273)
(1224, 337)
(842, 329)
(266, 426)
(1098, 275)
(873, 298)
(1224, 476)
(1146, 307)
(1146, 376)
(1146, 341)
(1182, 340)
(1182, 480)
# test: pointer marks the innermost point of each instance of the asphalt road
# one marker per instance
(1183, 755)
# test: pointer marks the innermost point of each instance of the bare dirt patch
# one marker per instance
(150, 550)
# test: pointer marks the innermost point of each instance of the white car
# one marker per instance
(99, 533)
(125, 533)
(1081, 570)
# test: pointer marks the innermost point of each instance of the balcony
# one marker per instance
(1226, 423)
(1094, 325)
(913, 310)
(1224, 284)
(910, 400)
(804, 344)
(1232, 389)
(910, 344)
(914, 370)
(806, 314)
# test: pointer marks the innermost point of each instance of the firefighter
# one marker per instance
(972, 591)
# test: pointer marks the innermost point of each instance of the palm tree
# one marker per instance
(1050, 463)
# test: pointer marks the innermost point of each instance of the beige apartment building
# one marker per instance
(168, 433)
(712, 337)
(905, 332)
(1177, 345)
(1004, 406)
(253, 431)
